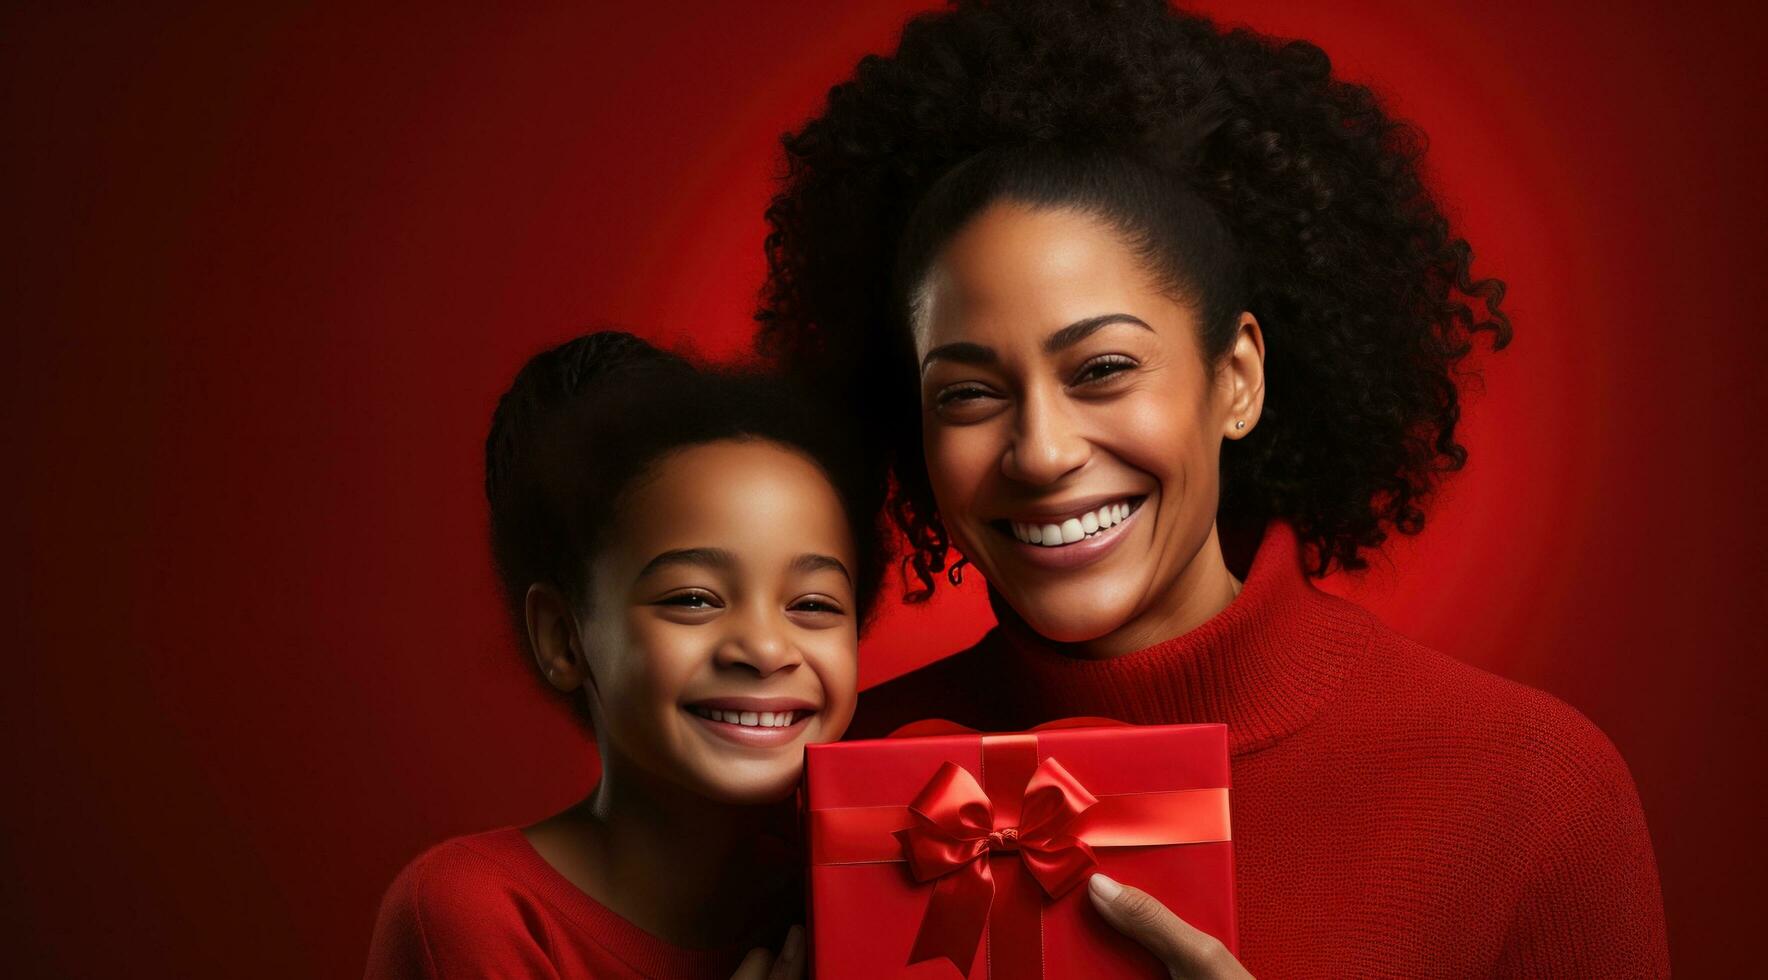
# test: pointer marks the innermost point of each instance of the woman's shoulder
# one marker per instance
(1529, 780)
(1455, 716)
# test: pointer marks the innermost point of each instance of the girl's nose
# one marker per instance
(758, 644)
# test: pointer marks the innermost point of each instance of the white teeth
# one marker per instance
(1073, 529)
(748, 719)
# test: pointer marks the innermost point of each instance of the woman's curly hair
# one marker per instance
(1365, 295)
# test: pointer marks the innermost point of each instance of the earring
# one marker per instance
(1239, 423)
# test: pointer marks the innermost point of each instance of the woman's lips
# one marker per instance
(1087, 550)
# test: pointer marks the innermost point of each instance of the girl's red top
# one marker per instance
(489, 906)
(1396, 813)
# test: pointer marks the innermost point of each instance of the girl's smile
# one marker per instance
(717, 646)
(759, 722)
(689, 554)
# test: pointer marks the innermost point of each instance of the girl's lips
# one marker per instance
(755, 736)
(1082, 552)
(775, 704)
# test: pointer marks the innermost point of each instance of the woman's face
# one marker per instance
(721, 634)
(1072, 428)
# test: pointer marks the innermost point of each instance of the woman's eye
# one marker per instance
(959, 394)
(1100, 368)
(966, 402)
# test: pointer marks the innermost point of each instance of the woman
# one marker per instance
(1153, 322)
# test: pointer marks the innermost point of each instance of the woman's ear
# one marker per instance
(553, 636)
(1243, 378)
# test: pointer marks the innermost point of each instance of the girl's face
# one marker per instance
(1072, 428)
(721, 634)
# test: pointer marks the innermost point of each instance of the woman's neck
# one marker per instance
(1203, 588)
(691, 871)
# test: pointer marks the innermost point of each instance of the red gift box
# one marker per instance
(966, 855)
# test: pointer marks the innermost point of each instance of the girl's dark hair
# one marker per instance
(1234, 164)
(584, 421)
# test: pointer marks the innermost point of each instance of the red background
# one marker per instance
(265, 274)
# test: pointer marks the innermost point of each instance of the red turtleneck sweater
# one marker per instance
(1396, 813)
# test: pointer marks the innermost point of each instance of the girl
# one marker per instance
(1153, 321)
(689, 557)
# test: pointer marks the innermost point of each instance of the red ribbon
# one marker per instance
(956, 826)
(999, 844)
(981, 842)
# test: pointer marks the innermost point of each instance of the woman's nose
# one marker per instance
(1046, 444)
(757, 643)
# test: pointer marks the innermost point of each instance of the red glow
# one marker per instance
(267, 273)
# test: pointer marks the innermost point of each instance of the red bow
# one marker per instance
(955, 829)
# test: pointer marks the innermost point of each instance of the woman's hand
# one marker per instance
(1189, 954)
(763, 965)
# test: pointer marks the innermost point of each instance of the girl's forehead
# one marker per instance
(758, 500)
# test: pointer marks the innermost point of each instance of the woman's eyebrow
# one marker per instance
(717, 558)
(816, 563)
(1080, 330)
(964, 352)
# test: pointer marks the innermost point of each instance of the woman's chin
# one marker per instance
(1070, 615)
(1071, 637)
(1058, 623)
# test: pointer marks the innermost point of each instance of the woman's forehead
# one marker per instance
(1016, 273)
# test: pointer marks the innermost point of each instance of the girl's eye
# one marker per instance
(817, 604)
(690, 600)
(1100, 368)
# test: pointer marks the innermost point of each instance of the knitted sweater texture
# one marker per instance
(1396, 812)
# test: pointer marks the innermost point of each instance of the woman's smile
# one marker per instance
(1070, 536)
(1071, 426)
